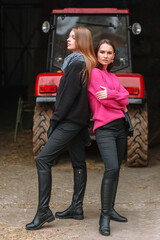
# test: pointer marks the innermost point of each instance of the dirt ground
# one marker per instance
(138, 195)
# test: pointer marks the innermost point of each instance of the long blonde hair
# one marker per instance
(84, 45)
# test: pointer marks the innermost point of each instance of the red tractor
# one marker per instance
(108, 23)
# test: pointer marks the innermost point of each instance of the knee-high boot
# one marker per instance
(75, 210)
(107, 194)
(43, 214)
(113, 214)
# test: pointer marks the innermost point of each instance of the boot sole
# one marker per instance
(104, 234)
(50, 219)
(114, 219)
(71, 217)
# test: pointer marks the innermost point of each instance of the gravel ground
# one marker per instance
(138, 195)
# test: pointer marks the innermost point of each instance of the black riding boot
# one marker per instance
(43, 214)
(113, 214)
(76, 208)
(107, 194)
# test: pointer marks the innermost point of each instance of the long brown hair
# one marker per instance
(109, 67)
(84, 45)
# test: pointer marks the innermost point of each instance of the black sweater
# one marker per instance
(72, 97)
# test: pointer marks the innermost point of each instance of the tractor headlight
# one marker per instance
(136, 28)
(46, 27)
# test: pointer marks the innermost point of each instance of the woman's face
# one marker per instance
(105, 55)
(71, 42)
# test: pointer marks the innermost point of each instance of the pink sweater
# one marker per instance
(109, 109)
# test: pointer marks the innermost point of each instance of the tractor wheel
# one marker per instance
(41, 119)
(137, 152)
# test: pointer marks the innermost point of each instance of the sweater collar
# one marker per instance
(76, 56)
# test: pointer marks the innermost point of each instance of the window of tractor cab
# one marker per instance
(101, 26)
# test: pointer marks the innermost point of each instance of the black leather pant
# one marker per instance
(111, 140)
(66, 134)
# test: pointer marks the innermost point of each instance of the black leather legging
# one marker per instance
(66, 134)
(111, 140)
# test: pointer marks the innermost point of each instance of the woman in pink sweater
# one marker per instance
(108, 99)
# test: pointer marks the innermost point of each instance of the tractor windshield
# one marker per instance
(102, 26)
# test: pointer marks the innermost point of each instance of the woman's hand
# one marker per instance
(102, 94)
(126, 110)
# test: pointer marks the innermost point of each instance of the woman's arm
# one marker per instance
(95, 89)
(102, 96)
(68, 90)
(120, 94)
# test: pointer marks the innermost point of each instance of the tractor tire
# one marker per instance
(137, 146)
(41, 120)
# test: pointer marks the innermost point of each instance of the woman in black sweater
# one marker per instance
(67, 128)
